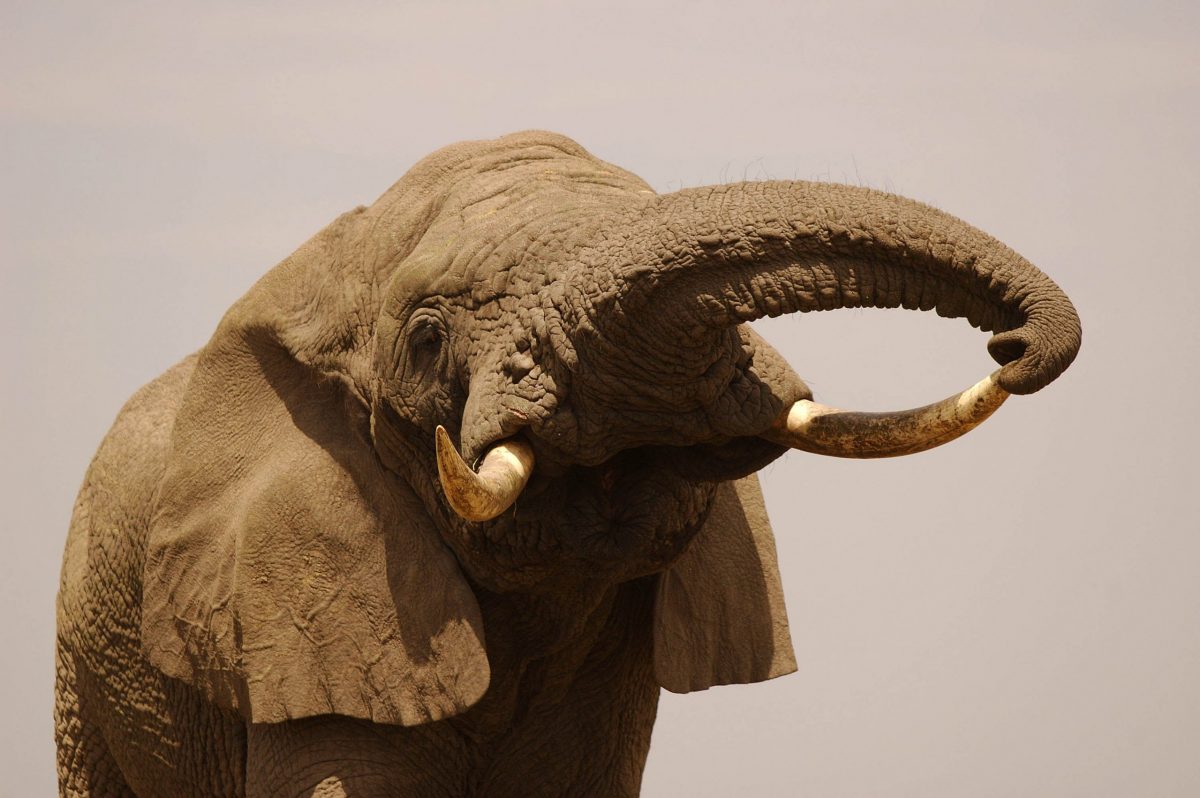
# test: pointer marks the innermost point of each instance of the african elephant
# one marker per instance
(455, 488)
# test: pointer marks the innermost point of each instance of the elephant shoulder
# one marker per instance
(133, 454)
(104, 684)
(107, 536)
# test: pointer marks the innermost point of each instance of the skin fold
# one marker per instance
(265, 591)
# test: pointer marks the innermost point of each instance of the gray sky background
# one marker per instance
(1017, 613)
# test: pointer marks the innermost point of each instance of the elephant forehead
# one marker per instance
(490, 222)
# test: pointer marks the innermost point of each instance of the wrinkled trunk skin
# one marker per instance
(704, 259)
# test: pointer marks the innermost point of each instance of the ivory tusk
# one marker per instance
(482, 496)
(821, 429)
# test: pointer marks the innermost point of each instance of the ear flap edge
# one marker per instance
(719, 615)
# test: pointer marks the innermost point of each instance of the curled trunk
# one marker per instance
(715, 257)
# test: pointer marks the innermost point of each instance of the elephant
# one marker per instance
(460, 484)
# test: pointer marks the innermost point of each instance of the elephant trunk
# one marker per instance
(696, 263)
(710, 258)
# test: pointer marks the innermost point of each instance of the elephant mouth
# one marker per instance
(636, 507)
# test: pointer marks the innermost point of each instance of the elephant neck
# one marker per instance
(525, 627)
(542, 647)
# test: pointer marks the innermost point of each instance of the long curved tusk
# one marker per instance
(819, 428)
(506, 468)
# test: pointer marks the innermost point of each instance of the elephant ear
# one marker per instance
(719, 617)
(287, 573)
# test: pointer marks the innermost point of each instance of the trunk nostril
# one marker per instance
(1007, 347)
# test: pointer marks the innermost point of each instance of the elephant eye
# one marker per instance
(426, 336)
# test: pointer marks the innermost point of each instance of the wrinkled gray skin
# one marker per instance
(264, 591)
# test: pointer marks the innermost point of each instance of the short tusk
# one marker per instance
(506, 468)
(819, 428)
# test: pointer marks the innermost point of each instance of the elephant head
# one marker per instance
(575, 345)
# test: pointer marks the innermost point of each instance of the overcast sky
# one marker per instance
(1017, 613)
